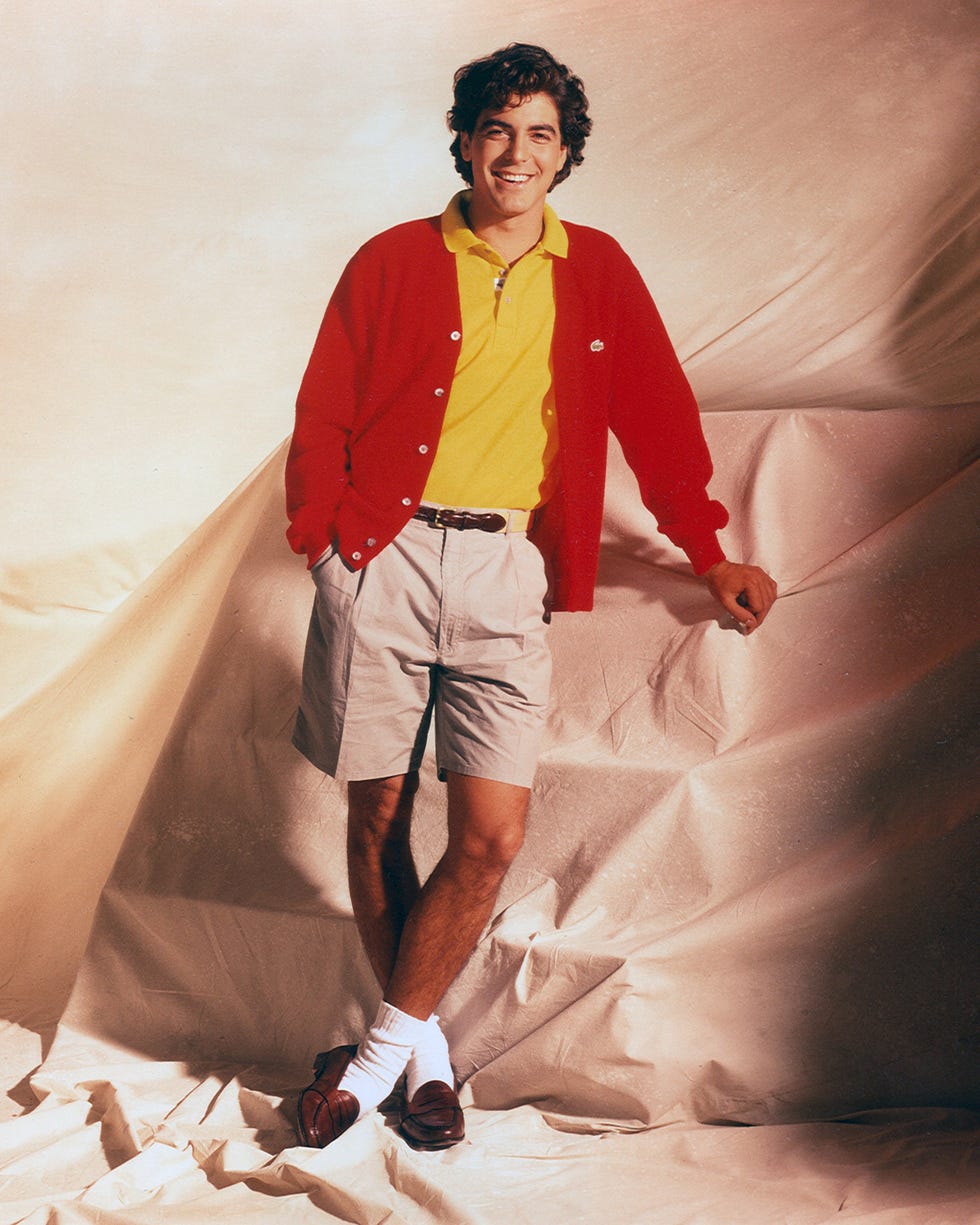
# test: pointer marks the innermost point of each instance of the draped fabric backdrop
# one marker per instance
(749, 890)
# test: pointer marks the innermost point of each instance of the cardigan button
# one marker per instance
(455, 335)
(406, 501)
(355, 556)
(370, 542)
(439, 391)
(423, 449)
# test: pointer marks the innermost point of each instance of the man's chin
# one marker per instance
(514, 204)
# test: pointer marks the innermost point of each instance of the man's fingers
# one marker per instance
(743, 612)
(758, 595)
(746, 592)
(754, 602)
(747, 620)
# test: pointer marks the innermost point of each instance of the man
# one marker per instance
(445, 481)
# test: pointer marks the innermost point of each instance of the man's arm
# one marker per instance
(317, 463)
(656, 419)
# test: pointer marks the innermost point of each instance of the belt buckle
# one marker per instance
(440, 517)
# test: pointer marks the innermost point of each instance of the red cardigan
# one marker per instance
(370, 408)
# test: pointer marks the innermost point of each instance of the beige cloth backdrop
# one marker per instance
(748, 894)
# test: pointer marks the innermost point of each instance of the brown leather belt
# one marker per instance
(481, 521)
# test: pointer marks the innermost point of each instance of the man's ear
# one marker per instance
(465, 147)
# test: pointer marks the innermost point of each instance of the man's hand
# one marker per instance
(747, 592)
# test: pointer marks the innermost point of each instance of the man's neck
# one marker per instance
(511, 237)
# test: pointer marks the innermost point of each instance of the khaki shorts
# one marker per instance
(442, 622)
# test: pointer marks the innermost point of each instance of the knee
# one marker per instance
(490, 852)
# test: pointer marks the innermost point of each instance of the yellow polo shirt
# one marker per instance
(499, 441)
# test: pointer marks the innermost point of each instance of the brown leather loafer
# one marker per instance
(433, 1118)
(325, 1112)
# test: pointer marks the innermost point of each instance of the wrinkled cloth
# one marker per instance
(731, 977)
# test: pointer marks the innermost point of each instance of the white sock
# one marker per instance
(430, 1060)
(381, 1056)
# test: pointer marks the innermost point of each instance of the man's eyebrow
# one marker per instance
(495, 122)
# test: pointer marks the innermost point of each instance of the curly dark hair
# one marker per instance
(518, 71)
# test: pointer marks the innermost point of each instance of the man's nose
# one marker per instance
(519, 146)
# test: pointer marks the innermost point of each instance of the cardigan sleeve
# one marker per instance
(655, 416)
(317, 465)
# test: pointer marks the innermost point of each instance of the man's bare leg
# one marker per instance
(486, 830)
(384, 883)
(418, 941)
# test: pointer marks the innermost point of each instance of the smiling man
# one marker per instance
(445, 481)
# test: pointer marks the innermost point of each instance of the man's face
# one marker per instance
(515, 153)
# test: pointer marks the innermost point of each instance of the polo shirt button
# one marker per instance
(455, 335)
(355, 556)
(439, 391)
(406, 501)
(370, 542)
(423, 449)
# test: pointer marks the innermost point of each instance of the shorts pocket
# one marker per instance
(333, 576)
(325, 556)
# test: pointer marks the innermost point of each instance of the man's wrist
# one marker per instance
(713, 569)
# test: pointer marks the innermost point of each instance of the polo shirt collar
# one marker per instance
(458, 236)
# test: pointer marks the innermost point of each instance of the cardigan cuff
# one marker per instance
(705, 554)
